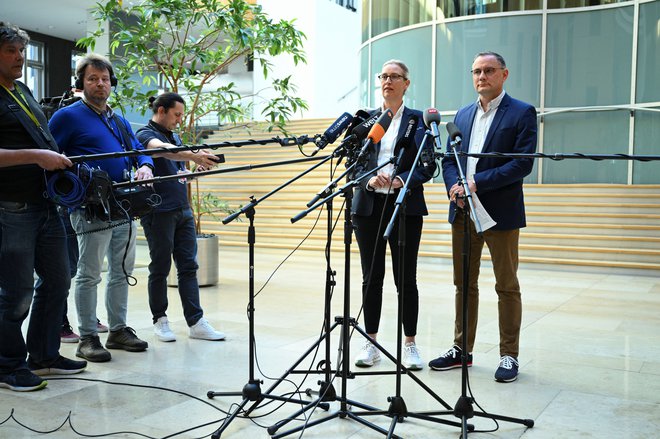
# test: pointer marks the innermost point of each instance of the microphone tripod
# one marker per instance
(463, 408)
(397, 409)
(251, 392)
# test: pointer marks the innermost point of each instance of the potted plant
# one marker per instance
(184, 46)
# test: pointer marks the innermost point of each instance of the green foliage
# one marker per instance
(189, 43)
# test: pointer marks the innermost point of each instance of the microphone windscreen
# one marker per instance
(338, 127)
(409, 134)
(431, 115)
(362, 130)
(382, 124)
(453, 131)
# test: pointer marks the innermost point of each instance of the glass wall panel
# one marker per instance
(459, 8)
(648, 53)
(393, 14)
(413, 48)
(363, 88)
(517, 39)
(366, 4)
(604, 132)
(589, 58)
(647, 133)
(560, 4)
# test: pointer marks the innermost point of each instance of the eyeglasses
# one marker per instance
(488, 71)
(393, 77)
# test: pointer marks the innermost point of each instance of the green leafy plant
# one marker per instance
(185, 46)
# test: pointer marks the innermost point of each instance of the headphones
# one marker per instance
(79, 84)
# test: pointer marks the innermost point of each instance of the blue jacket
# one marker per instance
(79, 130)
(499, 180)
(363, 201)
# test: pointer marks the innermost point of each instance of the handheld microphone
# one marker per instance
(454, 134)
(431, 120)
(377, 131)
(333, 132)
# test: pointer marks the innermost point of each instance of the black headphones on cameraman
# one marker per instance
(79, 84)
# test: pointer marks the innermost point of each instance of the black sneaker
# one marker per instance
(22, 380)
(91, 349)
(507, 371)
(449, 360)
(61, 366)
(126, 339)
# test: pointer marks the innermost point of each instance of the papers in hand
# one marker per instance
(484, 219)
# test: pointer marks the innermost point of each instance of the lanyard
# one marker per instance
(23, 104)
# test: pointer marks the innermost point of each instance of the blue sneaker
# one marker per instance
(450, 359)
(507, 370)
(60, 366)
(22, 380)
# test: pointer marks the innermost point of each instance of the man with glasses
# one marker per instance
(32, 237)
(494, 123)
(373, 207)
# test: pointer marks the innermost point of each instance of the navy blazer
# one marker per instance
(363, 199)
(499, 180)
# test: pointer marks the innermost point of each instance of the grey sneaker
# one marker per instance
(22, 380)
(91, 349)
(126, 339)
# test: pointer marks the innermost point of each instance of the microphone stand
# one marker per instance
(346, 323)
(463, 408)
(251, 392)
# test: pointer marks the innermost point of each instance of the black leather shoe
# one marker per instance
(126, 339)
(91, 349)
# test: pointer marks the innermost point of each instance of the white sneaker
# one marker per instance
(204, 331)
(163, 331)
(368, 356)
(411, 357)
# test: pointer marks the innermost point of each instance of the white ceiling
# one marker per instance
(65, 19)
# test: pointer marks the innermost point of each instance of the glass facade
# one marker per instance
(590, 67)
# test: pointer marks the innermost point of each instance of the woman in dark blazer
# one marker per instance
(373, 205)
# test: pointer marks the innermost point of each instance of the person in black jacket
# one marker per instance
(373, 206)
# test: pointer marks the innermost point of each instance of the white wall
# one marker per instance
(329, 80)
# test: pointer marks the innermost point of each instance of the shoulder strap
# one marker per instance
(42, 138)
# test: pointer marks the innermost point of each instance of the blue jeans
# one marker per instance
(94, 247)
(170, 234)
(32, 240)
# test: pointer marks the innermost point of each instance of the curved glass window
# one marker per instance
(459, 8)
(604, 132)
(561, 4)
(647, 133)
(406, 47)
(387, 15)
(516, 38)
(589, 58)
(648, 53)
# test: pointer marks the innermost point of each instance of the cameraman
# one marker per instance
(32, 237)
(86, 127)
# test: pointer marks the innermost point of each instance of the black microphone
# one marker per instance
(431, 120)
(333, 132)
(454, 134)
(361, 130)
(359, 117)
(407, 140)
(377, 131)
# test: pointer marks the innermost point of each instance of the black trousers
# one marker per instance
(372, 256)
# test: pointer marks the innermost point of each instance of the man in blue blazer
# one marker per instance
(494, 123)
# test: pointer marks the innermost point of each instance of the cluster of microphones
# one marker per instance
(372, 127)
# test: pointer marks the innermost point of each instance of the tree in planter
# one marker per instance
(186, 45)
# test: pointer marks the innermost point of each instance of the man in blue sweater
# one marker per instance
(86, 127)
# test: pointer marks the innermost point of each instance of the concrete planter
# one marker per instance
(207, 259)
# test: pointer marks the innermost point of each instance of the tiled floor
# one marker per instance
(590, 359)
